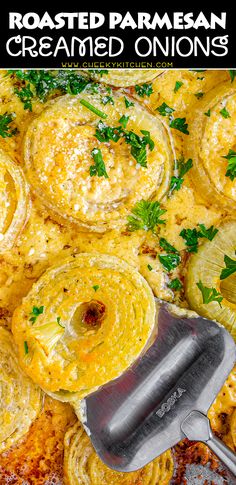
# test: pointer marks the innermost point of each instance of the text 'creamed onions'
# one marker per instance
(98, 314)
(14, 202)
(20, 398)
(58, 156)
(82, 466)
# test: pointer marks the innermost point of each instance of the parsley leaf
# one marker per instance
(124, 120)
(25, 95)
(98, 168)
(232, 73)
(5, 130)
(101, 72)
(96, 287)
(225, 113)
(229, 269)
(144, 90)
(26, 348)
(106, 133)
(149, 267)
(180, 125)
(167, 246)
(199, 95)
(128, 103)
(36, 311)
(191, 239)
(169, 261)
(175, 284)
(182, 167)
(146, 215)
(207, 233)
(208, 113)
(231, 169)
(165, 110)
(59, 322)
(178, 85)
(107, 100)
(209, 294)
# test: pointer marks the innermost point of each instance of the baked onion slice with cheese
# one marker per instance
(206, 266)
(82, 466)
(20, 398)
(211, 141)
(124, 77)
(14, 201)
(94, 316)
(60, 147)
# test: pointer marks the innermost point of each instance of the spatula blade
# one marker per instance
(138, 416)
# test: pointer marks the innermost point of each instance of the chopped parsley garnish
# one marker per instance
(26, 348)
(178, 85)
(208, 113)
(229, 269)
(231, 169)
(191, 239)
(182, 167)
(180, 125)
(149, 267)
(225, 113)
(169, 261)
(128, 103)
(146, 215)
(107, 100)
(207, 233)
(25, 94)
(144, 90)
(167, 246)
(232, 73)
(137, 143)
(124, 120)
(191, 236)
(92, 108)
(175, 284)
(36, 311)
(165, 110)
(99, 167)
(59, 322)
(106, 133)
(6, 131)
(101, 72)
(172, 259)
(96, 287)
(209, 294)
(42, 83)
(199, 95)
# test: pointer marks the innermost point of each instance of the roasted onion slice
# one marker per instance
(14, 201)
(20, 398)
(212, 135)
(125, 77)
(82, 466)
(95, 315)
(206, 266)
(58, 156)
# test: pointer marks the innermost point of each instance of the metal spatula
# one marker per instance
(165, 395)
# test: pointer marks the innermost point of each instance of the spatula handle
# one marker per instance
(223, 452)
(196, 426)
